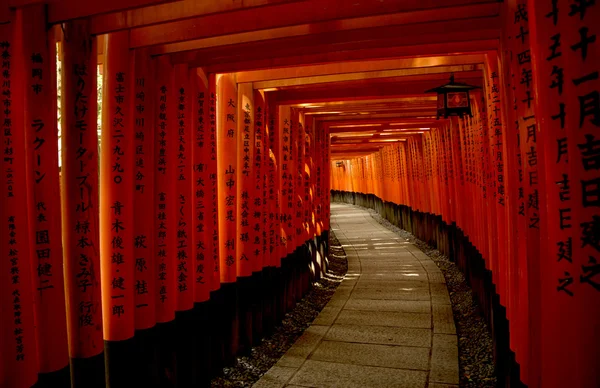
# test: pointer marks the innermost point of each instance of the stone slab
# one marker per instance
(408, 306)
(443, 319)
(444, 365)
(326, 374)
(377, 293)
(384, 335)
(384, 318)
(275, 377)
(403, 357)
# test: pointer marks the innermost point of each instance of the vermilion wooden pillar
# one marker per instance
(116, 210)
(201, 153)
(247, 213)
(565, 54)
(581, 34)
(212, 174)
(17, 344)
(39, 51)
(144, 218)
(273, 205)
(258, 224)
(282, 153)
(202, 224)
(80, 205)
(165, 223)
(213, 230)
(183, 263)
(227, 146)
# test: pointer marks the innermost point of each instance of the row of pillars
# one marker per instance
(519, 182)
(164, 244)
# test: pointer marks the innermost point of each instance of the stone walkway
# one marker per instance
(389, 324)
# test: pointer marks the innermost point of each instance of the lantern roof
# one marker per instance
(452, 86)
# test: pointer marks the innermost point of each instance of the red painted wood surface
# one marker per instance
(116, 194)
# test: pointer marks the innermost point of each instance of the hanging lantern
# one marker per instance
(453, 99)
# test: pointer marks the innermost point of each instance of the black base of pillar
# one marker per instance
(247, 292)
(281, 290)
(228, 314)
(269, 299)
(257, 307)
(165, 333)
(119, 363)
(88, 372)
(202, 344)
(146, 358)
(185, 331)
(57, 379)
(216, 340)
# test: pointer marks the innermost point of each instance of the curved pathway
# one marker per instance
(389, 323)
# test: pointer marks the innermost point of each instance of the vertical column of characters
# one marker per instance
(143, 195)
(449, 172)
(164, 190)
(516, 36)
(259, 100)
(116, 190)
(515, 163)
(259, 195)
(291, 175)
(79, 189)
(183, 189)
(227, 182)
(493, 230)
(299, 173)
(213, 182)
(283, 156)
(326, 173)
(557, 245)
(248, 210)
(446, 168)
(275, 240)
(18, 343)
(319, 150)
(307, 195)
(44, 190)
(202, 222)
(533, 209)
(497, 148)
(580, 45)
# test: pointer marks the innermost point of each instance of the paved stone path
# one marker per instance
(389, 323)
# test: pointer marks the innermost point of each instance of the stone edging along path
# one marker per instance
(389, 324)
(475, 345)
(250, 368)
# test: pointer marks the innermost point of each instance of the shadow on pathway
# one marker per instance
(389, 324)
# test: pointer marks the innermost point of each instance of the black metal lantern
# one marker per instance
(453, 99)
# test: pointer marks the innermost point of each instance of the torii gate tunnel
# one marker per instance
(167, 169)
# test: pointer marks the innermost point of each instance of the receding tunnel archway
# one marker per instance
(200, 142)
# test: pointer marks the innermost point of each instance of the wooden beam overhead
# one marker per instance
(407, 127)
(396, 115)
(363, 121)
(368, 53)
(255, 45)
(361, 92)
(358, 67)
(322, 16)
(405, 72)
(64, 10)
(165, 14)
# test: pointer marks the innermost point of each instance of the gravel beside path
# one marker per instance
(249, 369)
(476, 363)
